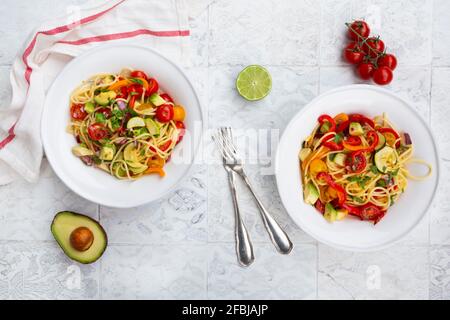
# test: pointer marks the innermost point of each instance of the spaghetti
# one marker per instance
(124, 125)
(354, 165)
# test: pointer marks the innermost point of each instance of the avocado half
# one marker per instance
(82, 238)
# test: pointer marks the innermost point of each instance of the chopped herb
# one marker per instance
(374, 170)
(97, 160)
(338, 138)
(358, 199)
(115, 123)
(361, 181)
(100, 118)
(138, 81)
(134, 93)
(118, 113)
(381, 183)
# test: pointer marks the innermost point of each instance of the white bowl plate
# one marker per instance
(92, 183)
(352, 234)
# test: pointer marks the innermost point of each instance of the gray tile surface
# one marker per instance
(181, 247)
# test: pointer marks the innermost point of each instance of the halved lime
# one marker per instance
(254, 83)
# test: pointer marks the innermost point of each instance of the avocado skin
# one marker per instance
(82, 216)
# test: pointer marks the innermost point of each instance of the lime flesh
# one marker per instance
(254, 83)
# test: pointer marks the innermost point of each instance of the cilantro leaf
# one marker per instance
(100, 118)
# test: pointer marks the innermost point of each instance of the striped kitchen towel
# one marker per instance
(162, 25)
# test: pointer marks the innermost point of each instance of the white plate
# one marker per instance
(92, 183)
(353, 234)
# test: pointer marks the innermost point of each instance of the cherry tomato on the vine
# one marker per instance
(366, 70)
(358, 29)
(388, 60)
(383, 76)
(374, 47)
(353, 53)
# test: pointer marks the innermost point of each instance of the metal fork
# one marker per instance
(244, 248)
(233, 162)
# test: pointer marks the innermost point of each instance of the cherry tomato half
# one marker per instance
(77, 112)
(105, 111)
(97, 131)
(353, 53)
(153, 87)
(366, 70)
(164, 113)
(383, 76)
(358, 29)
(371, 212)
(139, 74)
(166, 97)
(356, 162)
(374, 47)
(388, 60)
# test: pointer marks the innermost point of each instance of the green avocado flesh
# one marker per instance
(65, 223)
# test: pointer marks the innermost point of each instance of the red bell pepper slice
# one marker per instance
(333, 145)
(341, 127)
(361, 119)
(326, 118)
(342, 195)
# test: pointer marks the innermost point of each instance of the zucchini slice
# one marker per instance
(385, 159)
(381, 142)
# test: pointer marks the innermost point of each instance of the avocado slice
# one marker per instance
(157, 100)
(80, 237)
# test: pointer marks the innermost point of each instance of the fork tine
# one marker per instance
(228, 139)
(220, 142)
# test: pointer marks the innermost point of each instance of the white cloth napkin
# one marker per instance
(159, 24)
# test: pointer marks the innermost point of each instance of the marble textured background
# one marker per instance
(182, 246)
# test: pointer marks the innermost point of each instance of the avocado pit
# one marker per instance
(81, 239)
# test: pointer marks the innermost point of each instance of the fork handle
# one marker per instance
(244, 248)
(279, 238)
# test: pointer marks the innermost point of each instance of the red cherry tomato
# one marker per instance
(358, 29)
(388, 60)
(182, 128)
(105, 111)
(371, 212)
(374, 47)
(153, 87)
(383, 76)
(353, 53)
(164, 113)
(357, 162)
(77, 112)
(320, 206)
(139, 74)
(166, 97)
(97, 131)
(366, 70)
